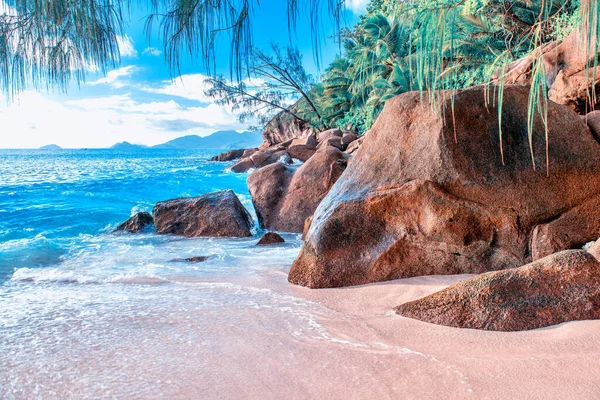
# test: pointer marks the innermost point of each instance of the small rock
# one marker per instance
(136, 223)
(270, 238)
(191, 259)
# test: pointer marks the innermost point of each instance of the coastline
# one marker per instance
(260, 337)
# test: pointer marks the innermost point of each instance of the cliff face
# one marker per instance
(283, 127)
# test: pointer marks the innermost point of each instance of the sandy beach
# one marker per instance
(235, 328)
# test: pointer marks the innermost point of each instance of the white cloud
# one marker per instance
(190, 86)
(357, 6)
(35, 120)
(113, 78)
(126, 47)
(152, 51)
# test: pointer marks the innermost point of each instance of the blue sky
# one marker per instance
(140, 101)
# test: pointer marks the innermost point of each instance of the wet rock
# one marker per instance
(284, 198)
(191, 259)
(219, 214)
(270, 238)
(559, 288)
(229, 155)
(421, 198)
(136, 223)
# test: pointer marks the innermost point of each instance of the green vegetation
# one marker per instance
(398, 46)
(433, 44)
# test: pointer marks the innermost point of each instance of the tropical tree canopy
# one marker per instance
(397, 46)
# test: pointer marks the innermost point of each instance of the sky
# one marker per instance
(141, 101)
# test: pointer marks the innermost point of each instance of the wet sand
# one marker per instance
(254, 336)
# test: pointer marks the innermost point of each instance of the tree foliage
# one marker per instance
(276, 82)
(431, 45)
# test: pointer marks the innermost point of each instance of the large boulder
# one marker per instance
(569, 68)
(285, 126)
(284, 198)
(559, 288)
(219, 214)
(429, 192)
(136, 223)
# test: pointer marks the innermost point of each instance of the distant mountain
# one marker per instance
(51, 147)
(217, 140)
(127, 146)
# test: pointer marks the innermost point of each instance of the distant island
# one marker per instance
(218, 140)
(127, 146)
(225, 140)
(51, 147)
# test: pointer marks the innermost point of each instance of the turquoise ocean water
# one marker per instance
(53, 203)
(85, 313)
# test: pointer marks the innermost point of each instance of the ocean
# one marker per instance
(70, 289)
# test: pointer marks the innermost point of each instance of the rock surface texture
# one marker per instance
(284, 198)
(136, 223)
(559, 288)
(428, 193)
(219, 214)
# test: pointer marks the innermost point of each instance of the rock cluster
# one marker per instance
(299, 148)
(234, 154)
(284, 197)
